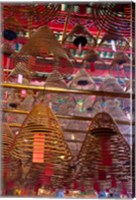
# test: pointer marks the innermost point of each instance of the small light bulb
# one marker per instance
(17, 132)
(113, 45)
(62, 157)
(73, 137)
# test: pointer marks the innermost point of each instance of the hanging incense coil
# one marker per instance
(82, 80)
(13, 99)
(9, 164)
(20, 69)
(60, 103)
(108, 104)
(12, 23)
(92, 56)
(43, 42)
(24, 69)
(104, 151)
(109, 84)
(27, 103)
(41, 127)
(55, 79)
(110, 36)
(109, 16)
(7, 49)
(28, 16)
(119, 59)
(7, 138)
(82, 31)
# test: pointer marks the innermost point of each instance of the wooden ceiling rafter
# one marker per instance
(69, 117)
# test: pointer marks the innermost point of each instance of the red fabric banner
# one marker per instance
(106, 157)
(101, 175)
(92, 66)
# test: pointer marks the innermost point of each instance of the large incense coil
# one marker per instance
(28, 16)
(92, 56)
(115, 36)
(55, 79)
(9, 164)
(27, 103)
(79, 29)
(108, 16)
(7, 49)
(109, 84)
(119, 59)
(82, 80)
(56, 152)
(7, 138)
(12, 23)
(82, 75)
(91, 157)
(22, 68)
(43, 42)
(60, 103)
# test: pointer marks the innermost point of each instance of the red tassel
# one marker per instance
(96, 186)
(75, 185)
(113, 182)
(49, 171)
(92, 66)
(124, 190)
